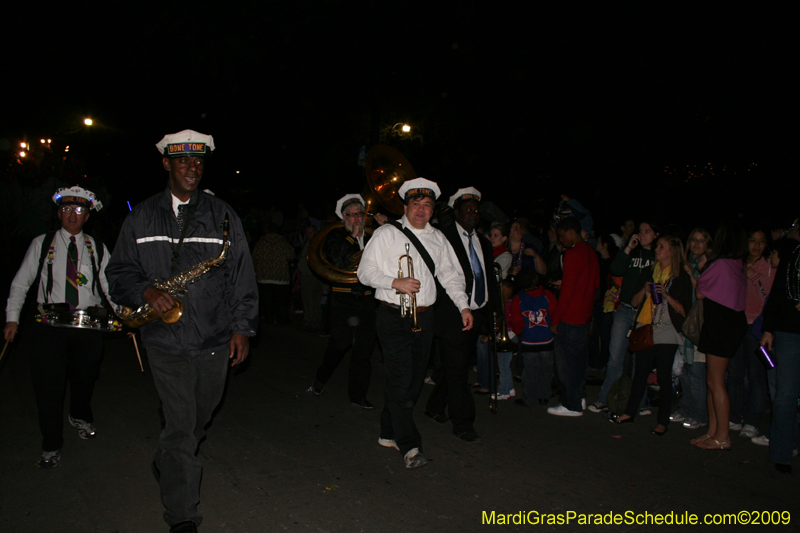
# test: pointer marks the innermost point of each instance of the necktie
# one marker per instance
(181, 215)
(71, 291)
(480, 279)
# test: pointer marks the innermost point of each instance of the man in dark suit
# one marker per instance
(456, 346)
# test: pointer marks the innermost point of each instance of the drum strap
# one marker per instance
(48, 245)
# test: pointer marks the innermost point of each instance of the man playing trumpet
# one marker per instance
(406, 352)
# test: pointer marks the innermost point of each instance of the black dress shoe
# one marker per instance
(184, 527)
(363, 403)
(468, 436)
(439, 419)
(658, 433)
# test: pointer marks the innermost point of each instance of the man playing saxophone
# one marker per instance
(169, 233)
(405, 352)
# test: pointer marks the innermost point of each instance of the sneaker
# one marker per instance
(734, 427)
(598, 407)
(363, 403)
(749, 431)
(85, 429)
(677, 417)
(644, 411)
(583, 404)
(316, 387)
(49, 459)
(510, 394)
(388, 443)
(560, 410)
(691, 423)
(414, 459)
(761, 440)
(429, 381)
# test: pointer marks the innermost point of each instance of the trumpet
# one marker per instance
(408, 303)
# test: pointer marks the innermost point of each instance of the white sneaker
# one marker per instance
(414, 459)
(677, 417)
(583, 404)
(560, 410)
(388, 443)
(644, 411)
(734, 427)
(598, 407)
(511, 394)
(749, 431)
(691, 423)
(761, 440)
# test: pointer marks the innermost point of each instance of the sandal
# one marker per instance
(724, 446)
(698, 440)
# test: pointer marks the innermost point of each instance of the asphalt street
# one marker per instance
(279, 459)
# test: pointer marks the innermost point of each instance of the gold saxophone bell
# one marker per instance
(408, 304)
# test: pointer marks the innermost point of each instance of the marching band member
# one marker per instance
(352, 305)
(405, 352)
(68, 267)
(167, 234)
(475, 261)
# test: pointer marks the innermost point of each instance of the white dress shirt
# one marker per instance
(465, 238)
(378, 266)
(27, 273)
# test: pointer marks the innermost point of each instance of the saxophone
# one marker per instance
(175, 286)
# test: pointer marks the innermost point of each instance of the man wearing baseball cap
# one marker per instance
(68, 267)
(405, 352)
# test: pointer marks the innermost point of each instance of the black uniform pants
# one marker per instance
(452, 389)
(58, 356)
(405, 360)
(352, 325)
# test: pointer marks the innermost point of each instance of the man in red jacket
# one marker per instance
(572, 320)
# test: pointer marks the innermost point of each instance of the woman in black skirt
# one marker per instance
(723, 288)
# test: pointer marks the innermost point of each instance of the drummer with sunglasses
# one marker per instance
(68, 267)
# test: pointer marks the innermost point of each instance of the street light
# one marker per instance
(87, 121)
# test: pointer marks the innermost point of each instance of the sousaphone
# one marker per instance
(386, 170)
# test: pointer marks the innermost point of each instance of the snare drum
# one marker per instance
(60, 316)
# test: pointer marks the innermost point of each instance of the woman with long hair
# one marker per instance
(723, 288)
(747, 409)
(693, 404)
(672, 289)
(498, 235)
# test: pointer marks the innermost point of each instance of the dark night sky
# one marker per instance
(523, 104)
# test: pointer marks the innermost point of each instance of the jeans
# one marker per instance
(571, 352)
(485, 363)
(618, 346)
(693, 403)
(537, 376)
(758, 395)
(190, 388)
(506, 380)
(784, 386)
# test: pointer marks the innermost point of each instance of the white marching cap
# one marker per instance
(346, 201)
(419, 186)
(186, 142)
(465, 194)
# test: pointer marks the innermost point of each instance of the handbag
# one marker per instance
(641, 339)
(694, 323)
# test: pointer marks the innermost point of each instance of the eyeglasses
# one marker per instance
(355, 215)
(77, 209)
